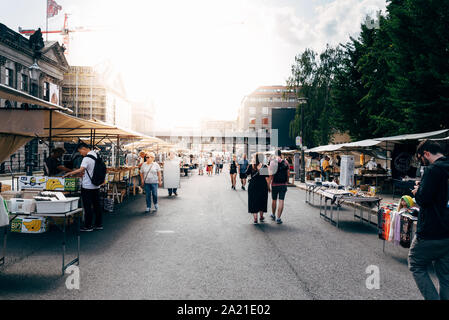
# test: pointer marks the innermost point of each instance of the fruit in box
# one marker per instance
(54, 184)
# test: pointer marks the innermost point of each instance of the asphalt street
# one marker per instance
(203, 245)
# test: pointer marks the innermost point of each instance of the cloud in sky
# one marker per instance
(332, 22)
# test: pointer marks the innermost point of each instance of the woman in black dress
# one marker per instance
(233, 170)
(258, 187)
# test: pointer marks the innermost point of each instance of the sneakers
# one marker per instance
(86, 229)
(273, 217)
(243, 188)
(156, 207)
(98, 228)
(147, 210)
(175, 194)
(262, 219)
(278, 221)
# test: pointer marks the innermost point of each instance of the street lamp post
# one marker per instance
(30, 147)
(302, 102)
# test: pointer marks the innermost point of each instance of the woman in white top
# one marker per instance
(201, 164)
(150, 174)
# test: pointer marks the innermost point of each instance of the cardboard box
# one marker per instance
(29, 225)
(55, 184)
(5, 187)
(32, 182)
(71, 184)
(7, 195)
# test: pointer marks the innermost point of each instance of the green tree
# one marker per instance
(420, 63)
(312, 78)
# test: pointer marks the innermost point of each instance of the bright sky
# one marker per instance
(196, 59)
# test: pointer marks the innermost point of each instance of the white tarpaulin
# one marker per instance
(10, 143)
(172, 173)
(417, 136)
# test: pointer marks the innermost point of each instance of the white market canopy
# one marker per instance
(386, 143)
(417, 136)
(12, 94)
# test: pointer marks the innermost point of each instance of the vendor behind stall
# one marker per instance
(53, 165)
(371, 165)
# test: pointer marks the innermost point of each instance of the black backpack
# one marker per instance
(99, 174)
(281, 175)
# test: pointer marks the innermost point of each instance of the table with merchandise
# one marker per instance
(30, 211)
(337, 197)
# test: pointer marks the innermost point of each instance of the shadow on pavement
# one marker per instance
(20, 283)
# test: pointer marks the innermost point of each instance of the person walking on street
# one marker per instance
(233, 171)
(210, 166)
(217, 164)
(90, 193)
(150, 173)
(243, 166)
(431, 242)
(201, 165)
(279, 176)
(258, 188)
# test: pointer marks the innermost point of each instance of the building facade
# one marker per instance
(255, 112)
(93, 94)
(221, 126)
(34, 67)
(143, 118)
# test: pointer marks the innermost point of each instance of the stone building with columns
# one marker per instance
(34, 67)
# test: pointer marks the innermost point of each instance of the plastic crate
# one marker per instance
(74, 203)
(59, 206)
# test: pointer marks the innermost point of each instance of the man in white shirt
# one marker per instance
(132, 159)
(371, 165)
(90, 193)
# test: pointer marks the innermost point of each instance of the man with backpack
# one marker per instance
(431, 243)
(93, 170)
(279, 175)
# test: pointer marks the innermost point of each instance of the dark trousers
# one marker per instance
(172, 190)
(424, 253)
(91, 204)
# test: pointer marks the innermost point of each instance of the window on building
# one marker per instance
(265, 110)
(252, 121)
(252, 110)
(9, 77)
(46, 93)
(24, 83)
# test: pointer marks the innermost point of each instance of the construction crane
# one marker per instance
(65, 32)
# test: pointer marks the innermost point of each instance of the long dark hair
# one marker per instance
(260, 157)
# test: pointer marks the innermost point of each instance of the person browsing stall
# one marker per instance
(90, 193)
(431, 242)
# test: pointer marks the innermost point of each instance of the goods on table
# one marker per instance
(32, 182)
(29, 225)
(49, 183)
(396, 226)
(30, 194)
(22, 206)
(55, 202)
(5, 187)
(7, 195)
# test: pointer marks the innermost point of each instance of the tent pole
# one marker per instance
(117, 159)
(50, 144)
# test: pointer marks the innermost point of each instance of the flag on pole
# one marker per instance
(52, 8)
